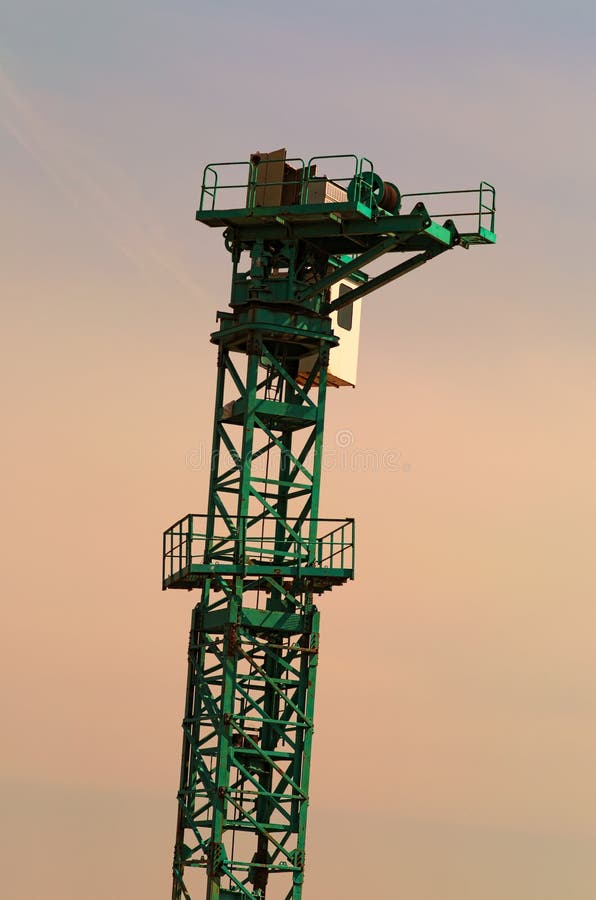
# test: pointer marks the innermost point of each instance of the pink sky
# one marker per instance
(456, 721)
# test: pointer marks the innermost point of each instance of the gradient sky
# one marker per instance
(456, 722)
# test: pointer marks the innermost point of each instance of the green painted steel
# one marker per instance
(261, 554)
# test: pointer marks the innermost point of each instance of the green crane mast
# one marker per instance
(299, 243)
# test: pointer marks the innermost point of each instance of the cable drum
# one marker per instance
(391, 199)
(370, 189)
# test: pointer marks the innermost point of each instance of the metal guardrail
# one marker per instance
(244, 181)
(237, 186)
(198, 541)
(481, 215)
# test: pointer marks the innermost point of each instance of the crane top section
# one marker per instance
(302, 233)
(273, 197)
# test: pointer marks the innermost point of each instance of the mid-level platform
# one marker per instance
(313, 554)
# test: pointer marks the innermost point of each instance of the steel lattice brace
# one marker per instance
(259, 559)
(248, 731)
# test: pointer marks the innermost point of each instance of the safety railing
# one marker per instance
(234, 189)
(201, 544)
(349, 175)
(238, 185)
(480, 214)
(247, 187)
(336, 548)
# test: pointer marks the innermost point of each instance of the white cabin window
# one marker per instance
(345, 314)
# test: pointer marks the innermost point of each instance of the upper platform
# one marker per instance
(271, 197)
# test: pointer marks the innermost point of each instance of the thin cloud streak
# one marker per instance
(50, 149)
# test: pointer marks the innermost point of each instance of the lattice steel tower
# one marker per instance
(299, 242)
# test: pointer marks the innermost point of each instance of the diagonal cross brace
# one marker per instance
(363, 259)
(385, 278)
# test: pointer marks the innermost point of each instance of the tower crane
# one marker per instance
(299, 242)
